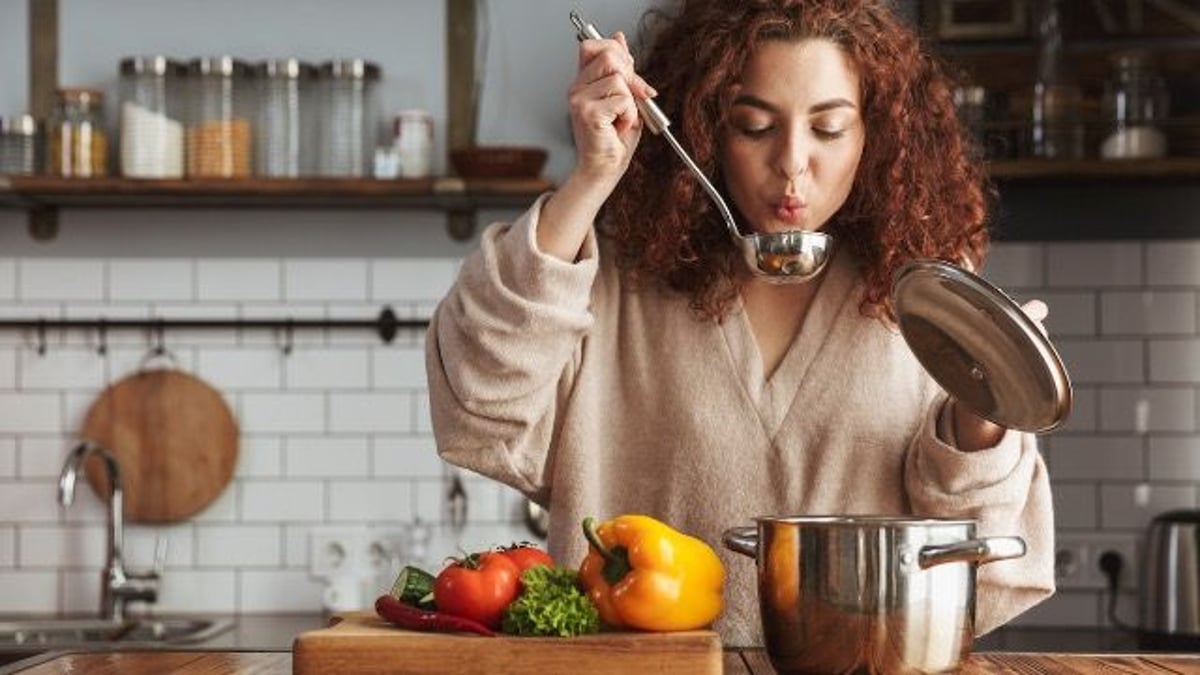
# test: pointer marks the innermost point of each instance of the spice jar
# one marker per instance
(78, 140)
(1135, 105)
(412, 138)
(349, 117)
(219, 129)
(19, 145)
(150, 118)
(286, 118)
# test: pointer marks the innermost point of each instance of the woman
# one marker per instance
(609, 352)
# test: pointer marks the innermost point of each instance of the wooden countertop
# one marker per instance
(737, 662)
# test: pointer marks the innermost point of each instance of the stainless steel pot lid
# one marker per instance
(979, 345)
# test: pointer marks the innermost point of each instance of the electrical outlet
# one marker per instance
(383, 552)
(336, 551)
(1073, 562)
(1124, 545)
(1077, 560)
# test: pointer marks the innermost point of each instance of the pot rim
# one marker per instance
(861, 520)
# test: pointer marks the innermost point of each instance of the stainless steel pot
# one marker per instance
(867, 594)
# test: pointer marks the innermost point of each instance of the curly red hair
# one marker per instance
(920, 191)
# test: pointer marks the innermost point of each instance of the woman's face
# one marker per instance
(795, 135)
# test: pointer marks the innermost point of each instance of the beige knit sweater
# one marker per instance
(595, 399)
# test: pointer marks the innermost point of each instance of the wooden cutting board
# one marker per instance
(360, 643)
(174, 438)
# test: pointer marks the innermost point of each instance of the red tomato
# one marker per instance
(527, 555)
(479, 587)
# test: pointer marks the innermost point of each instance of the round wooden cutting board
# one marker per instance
(174, 437)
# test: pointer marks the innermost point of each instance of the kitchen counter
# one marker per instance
(1073, 640)
(737, 662)
(251, 632)
(274, 632)
(262, 644)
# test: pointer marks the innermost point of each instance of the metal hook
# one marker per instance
(159, 350)
(288, 337)
(160, 346)
(456, 504)
(41, 337)
(102, 337)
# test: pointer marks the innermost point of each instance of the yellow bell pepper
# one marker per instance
(641, 573)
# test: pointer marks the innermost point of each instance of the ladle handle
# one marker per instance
(656, 120)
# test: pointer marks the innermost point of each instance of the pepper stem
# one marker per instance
(593, 539)
(616, 560)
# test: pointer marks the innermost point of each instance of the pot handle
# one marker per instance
(980, 551)
(742, 540)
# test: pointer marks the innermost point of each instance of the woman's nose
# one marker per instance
(793, 155)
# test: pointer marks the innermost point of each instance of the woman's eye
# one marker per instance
(754, 130)
(828, 134)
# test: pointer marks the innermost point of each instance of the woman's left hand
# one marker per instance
(972, 432)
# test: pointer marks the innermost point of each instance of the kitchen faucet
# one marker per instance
(118, 586)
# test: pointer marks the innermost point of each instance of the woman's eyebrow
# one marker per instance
(756, 102)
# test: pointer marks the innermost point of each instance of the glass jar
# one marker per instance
(349, 117)
(20, 145)
(151, 116)
(286, 118)
(78, 139)
(412, 138)
(219, 128)
(1135, 105)
(1056, 122)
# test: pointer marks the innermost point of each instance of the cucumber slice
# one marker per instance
(414, 586)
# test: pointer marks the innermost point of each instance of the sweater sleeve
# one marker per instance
(1007, 490)
(498, 347)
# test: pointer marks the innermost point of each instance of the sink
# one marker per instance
(25, 637)
(83, 633)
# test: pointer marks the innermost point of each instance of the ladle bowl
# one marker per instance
(785, 257)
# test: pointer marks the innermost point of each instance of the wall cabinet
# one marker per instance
(995, 46)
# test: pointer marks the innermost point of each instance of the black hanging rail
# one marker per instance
(387, 324)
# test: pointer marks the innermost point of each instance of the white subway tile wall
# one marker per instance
(8, 545)
(8, 457)
(1124, 317)
(333, 434)
(337, 433)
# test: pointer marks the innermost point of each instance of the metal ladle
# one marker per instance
(780, 257)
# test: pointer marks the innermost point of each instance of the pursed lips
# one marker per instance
(790, 209)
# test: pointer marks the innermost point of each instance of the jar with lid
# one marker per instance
(412, 138)
(151, 115)
(284, 146)
(1135, 105)
(219, 119)
(349, 117)
(20, 145)
(78, 138)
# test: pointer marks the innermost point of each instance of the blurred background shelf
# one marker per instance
(1025, 171)
(43, 196)
(427, 193)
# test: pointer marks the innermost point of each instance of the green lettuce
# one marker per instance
(551, 604)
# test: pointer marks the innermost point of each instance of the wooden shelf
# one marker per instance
(448, 194)
(43, 196)
(1042, 171)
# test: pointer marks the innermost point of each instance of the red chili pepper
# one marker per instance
(413, 618)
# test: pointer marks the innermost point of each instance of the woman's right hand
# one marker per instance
(606, 126)
(604, 112)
